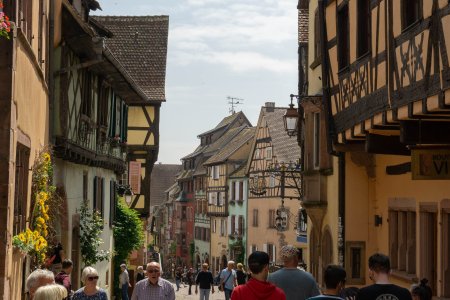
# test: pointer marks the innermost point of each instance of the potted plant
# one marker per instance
(5, 25)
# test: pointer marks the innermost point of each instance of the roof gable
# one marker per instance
(162, 178)
(140, 45)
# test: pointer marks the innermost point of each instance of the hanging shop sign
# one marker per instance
(430, 164)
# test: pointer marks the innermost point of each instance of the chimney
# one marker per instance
(270, 106)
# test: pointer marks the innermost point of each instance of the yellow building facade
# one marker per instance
(25, 109)
(385, 92)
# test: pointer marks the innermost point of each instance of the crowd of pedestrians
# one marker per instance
(290, 282)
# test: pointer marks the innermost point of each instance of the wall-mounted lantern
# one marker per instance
(290, 118)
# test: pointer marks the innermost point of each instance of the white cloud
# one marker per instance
(241, 35)
(239, 61)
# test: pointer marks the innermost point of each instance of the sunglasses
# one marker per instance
(90, 278)
(153, 271)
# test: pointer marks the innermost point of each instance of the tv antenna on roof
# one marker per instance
(234, 101)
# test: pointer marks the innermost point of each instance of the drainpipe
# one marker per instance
(326, 99)
(341, 208)
(51, 67)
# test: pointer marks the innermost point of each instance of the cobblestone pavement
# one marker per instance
(183, 294)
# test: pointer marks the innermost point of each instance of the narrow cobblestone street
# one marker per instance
(183, 293)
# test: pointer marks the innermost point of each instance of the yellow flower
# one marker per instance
(22, 237)
(46, 157)
(43, 196)
(45, 232)
(40, 220)
(46, 217)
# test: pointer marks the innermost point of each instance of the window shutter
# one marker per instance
(112, 202)
(274, 258)
(231, 225)
(232, 192)
(102, 198)
(236, 224)
(95, 192)
(265, 248)
(241, 190)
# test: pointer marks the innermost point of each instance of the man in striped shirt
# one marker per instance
(154, 287)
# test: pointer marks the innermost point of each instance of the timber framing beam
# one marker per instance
(424, 132)
(386, 144)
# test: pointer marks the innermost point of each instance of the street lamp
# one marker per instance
(290, 118)
(125, 191)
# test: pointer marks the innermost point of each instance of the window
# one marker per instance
(221, 197)
(355, 262)
(257, 153)
(183, 213)
(99, 195)
(269, 153)
(271, 218)
(270, 249)
(113, 202)
(21, 188)
(232, 224)
(272, 181)
(253, 248)
(255, 218)
(343, 40)
(215, 172)
(232, 191)
(26, 18)
(241, 191)
(204, 206)
(212, 198)
(317, 49)
(316, 154)
(402, 240)
(214, 223)
(363, 27)
(428, 245)
(411, 12)
(223, 227)
(302, 226)
(86, 94)
(241, 225)
(85, 186)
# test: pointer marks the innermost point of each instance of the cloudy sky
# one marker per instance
(218, 48)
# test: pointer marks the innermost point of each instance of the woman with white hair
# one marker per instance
(90, 291)
(51, 292)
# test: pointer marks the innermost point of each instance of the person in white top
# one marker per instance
(124, 281)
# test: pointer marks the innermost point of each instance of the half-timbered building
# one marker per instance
(320, 198)
(96, 92)
(385, 69)
(274, 175)
(193, 183)
(228, 228)
(24, 128)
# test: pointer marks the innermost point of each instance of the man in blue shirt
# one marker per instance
(228, 279)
